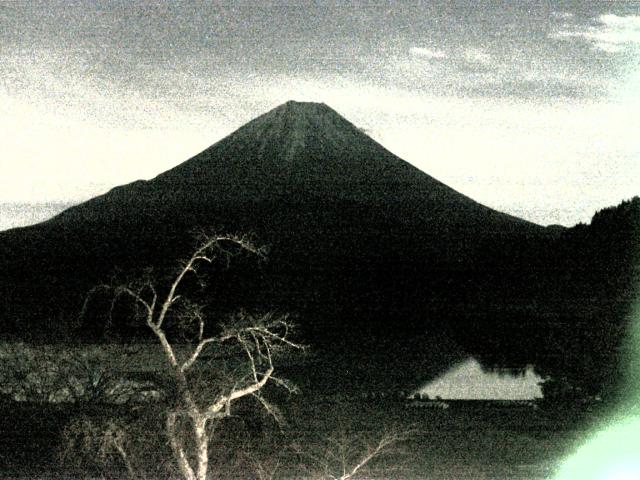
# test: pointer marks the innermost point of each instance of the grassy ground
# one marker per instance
(462, 442)
(465, 441)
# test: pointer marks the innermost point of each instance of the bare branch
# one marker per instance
(274, 336)
(272, 410)
(89, 296)
(200, 328)
(235, 394)
(385, 442)
(166, 346)
(286, 384)
(206, 252)
(196, 353)
(346, 455)
(252, 361)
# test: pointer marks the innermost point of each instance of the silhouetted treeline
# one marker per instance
(577, 323)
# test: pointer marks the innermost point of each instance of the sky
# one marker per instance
(527, 107)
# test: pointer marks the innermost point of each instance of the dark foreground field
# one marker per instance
(461, 442)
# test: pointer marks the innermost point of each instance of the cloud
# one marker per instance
(471, 55)
(477, 55)
(611, 34)
(562, 15)
(427, 52)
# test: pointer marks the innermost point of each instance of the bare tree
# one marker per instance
(345, 456)
(257, 340)
(85, 438)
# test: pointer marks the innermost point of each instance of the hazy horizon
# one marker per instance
(23, 214)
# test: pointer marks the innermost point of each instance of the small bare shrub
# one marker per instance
(44, 374)
(116, 444)
(349, 455)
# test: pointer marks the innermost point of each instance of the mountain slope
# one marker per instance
(296, 152)
(365, 249)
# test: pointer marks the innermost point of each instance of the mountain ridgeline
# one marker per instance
(373, 257)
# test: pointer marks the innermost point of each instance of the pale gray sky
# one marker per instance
(528, 107)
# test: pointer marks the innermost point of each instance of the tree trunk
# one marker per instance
(202, 445)
(178, 450)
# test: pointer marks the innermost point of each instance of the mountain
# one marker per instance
(298, 152)
(299, 165)
(370, 254)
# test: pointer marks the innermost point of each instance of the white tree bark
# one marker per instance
(255, 335)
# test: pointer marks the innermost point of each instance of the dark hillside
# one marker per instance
(369, 253)
(599, 282)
